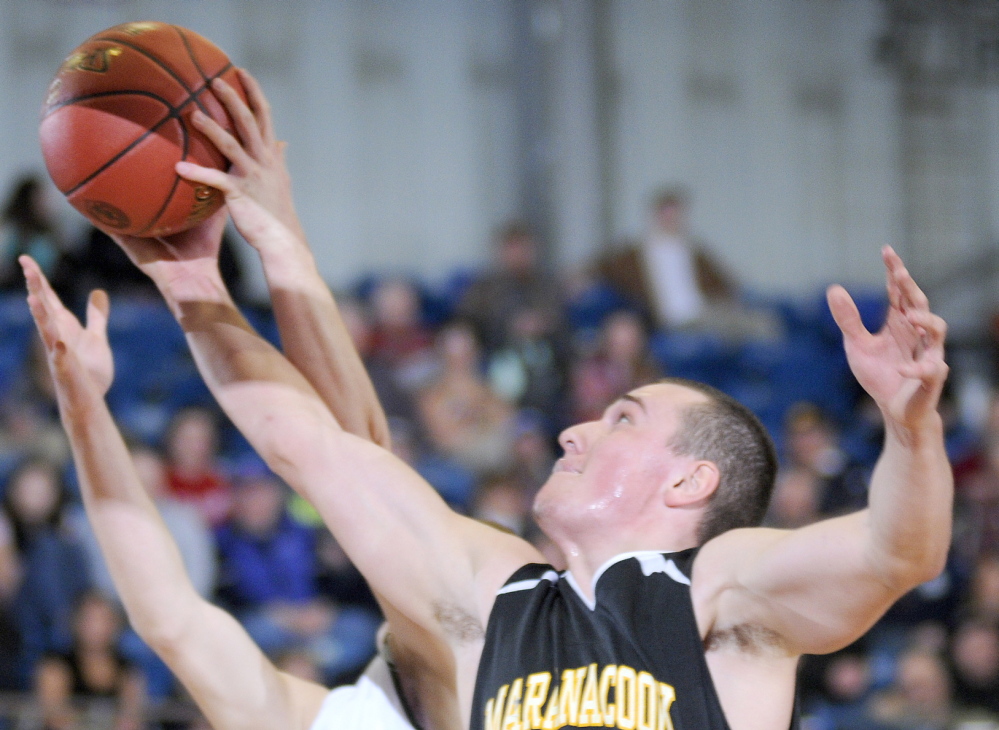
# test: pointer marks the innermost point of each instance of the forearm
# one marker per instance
(910, 499)
(263, 394)
(140, 553)
(317, 342)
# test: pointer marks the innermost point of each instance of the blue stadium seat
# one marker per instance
(697, 356)
(16, 335)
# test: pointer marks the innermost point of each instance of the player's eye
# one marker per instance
(622, 417)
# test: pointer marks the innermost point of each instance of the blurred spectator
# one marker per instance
(673, 276)
(465, 420)
(269, 570)
(27, 226)
(29, 423)
(976, 505)
(194, 474)
(395, 400)
(92, 668)
(920, 697)
(795, 500)
(399, 338)
(529, 369)
(982, 598)
(621, 362)
(813, 446)
(51, 563)
(28, 430)
(533, 455)
(845, 691)
(454, 482)
(10, 578)
(516, 281)
(974, 657)
(502, 500)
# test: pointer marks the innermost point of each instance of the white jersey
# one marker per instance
(372, 703)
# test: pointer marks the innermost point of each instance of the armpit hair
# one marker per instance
(458, 623)
(746, 638)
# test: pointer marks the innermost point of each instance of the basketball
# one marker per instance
(117, 118)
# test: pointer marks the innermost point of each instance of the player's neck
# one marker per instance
(586, 562)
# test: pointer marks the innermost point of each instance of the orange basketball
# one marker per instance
(117, 119)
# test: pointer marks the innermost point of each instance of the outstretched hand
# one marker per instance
(73, 351)
(902, 366)
(257, 187)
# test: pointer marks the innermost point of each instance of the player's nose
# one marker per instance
(573, 439)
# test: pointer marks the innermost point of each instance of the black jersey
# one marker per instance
(633, 659)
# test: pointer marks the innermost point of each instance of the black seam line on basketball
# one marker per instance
(151, 57)
(132, 146)
(208, 86)
(196, 95)
(185, 149)
(166, 202)
(191, 92)
(190, 52)
(104, 94)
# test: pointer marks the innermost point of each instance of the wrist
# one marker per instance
(927, 429)
(289, 264)
(202, 284)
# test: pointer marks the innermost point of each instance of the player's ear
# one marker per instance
(693, 485)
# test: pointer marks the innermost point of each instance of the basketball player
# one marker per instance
(676, 610)
(232, 681)
(229, 677)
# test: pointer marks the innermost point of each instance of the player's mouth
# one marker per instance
(563, 465)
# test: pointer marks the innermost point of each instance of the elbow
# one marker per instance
(931, 561)
(930, 567)
(162, 636)
(902, 573)
(163, 631)
(290, 445)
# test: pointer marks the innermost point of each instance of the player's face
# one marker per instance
(613, 468)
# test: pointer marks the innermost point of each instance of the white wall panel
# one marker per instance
(401, 123)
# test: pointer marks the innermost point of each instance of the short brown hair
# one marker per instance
(728, 434)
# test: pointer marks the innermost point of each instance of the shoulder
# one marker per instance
(717, 566)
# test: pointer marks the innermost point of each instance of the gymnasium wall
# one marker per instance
(402, 121)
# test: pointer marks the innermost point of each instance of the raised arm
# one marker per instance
(257, 188)
(820, 587)
(437, 568)
(232, 681)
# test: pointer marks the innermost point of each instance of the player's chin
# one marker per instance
(547, 502)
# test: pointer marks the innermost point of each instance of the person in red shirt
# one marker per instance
(193, 472)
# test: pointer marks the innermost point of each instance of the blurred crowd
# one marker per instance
(478, 376)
